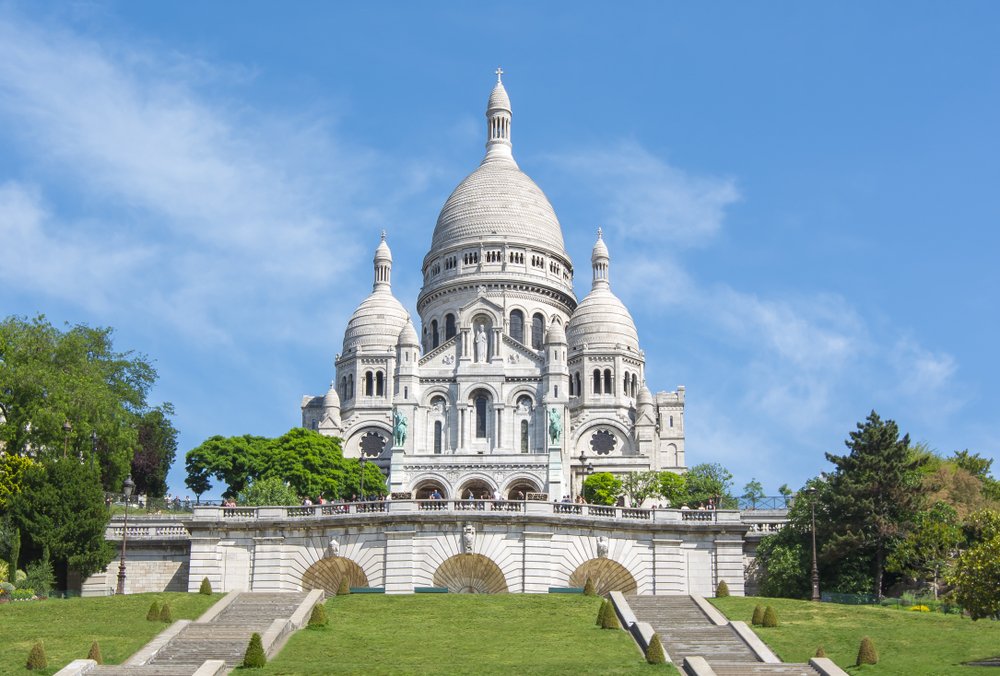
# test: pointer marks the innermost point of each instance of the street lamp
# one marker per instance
(67, 428)
(586, 469)
(127, 490)
(815, 570)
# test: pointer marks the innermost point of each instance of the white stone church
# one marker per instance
(511, 386)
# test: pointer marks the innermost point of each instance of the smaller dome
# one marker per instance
(602, 320)
(645, 397)
(382, 253)
(376, 323)
(408, 336)
(600, 248)
(331, 399)
(555, 335)
(498, 99)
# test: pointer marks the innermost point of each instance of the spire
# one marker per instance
(498, 116)
(383, 265)
(601, 261)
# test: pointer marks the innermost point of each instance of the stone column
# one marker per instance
(399, 563)
(669, 569)
(497, 356)
(537, 571)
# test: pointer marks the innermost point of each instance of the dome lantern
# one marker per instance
(601, 260)
(498, 116)
(383, 265)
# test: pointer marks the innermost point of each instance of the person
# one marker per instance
(520, 495)
(469, 495)
(436, 495)
(306, 502)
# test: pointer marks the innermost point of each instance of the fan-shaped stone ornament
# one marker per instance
(470, 574)
(326, 574)
(607, 576)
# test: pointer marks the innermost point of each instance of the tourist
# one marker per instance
(306, 502)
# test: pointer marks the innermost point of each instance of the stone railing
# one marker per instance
(146, 531)
(764, 522)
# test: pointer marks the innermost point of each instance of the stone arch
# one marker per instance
(353, 445)
(582, 438)
(424, 485)
(479, 484)
(327, 574)
(607, 576)
(524, 484)
(470, 574)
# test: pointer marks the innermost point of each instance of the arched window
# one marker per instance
(438, 434)
(517, 326)
(435, 338)
(635, 385)
(524, 436)
(537, 330)
(380, 384)
(350, 386)
(449, 326)
(608, 387)
(343, 387)
(481, 402)
(625, 389)
(369, 384)
(571, 386)
(597, 381)
(579, 390)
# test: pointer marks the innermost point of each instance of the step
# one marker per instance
(744, 669)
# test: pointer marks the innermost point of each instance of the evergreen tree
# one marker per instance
(654, 652)
(254, 657)
(95, 653)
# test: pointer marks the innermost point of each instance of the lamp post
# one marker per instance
(815, 570)
(127, 490)
(362, 462)
(93, 448)
(67, 428)
(586, 469)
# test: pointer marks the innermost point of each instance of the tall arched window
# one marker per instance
(635, 385)
(571, 386)
(379, 384)
(481, 402)
(608, 387)
(597, 381)
(369, 384)
(449, 326)
(350, 386)
(579, 390)
(343, 387)
(435, 338)
(537, 330)
(524, 436)
(438, 434)
(517, 326)
(625, 389)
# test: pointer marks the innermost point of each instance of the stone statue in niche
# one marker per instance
(399, 425)
(481, 345)
(555, 425)
(602, 547)
(333, 549)
(468, 538)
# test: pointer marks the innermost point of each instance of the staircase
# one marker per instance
(686, 631)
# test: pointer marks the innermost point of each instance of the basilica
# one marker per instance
(511, 386)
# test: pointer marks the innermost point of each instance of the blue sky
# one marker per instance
(800, 199)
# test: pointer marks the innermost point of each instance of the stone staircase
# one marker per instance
(224, 637)
(686, 632)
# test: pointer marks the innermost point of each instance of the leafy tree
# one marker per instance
(874, 494)
(785, 565)
(753, 492)
(311, 462)
(50, 377)
(929, 546)
(977, 579)
(973, 463)
(156, 452)
(637, 486)
(602, 488)
(710, 481)
(12, 469)
(233, 460)
(673, 488)
(269, 491)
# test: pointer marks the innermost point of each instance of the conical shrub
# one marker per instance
(722, 589)
(345, 588)
(36, 658)
(611, 618)
(95, 653)
(588, 588)
(602, 612)
(317, 618)
(165, 615)
(206, 587)
(758, 616)
(654, 652)
(820, 652)
(254, 657)
(867, 653)
(770, 618)
(153, 615)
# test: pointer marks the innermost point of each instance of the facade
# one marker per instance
(511, 386)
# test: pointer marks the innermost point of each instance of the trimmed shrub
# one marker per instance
(317, 618)
(36, 658)
(654, 653)
(95, 653)
(345, 588)
(602, 612)
(867, 653)
(153, 614)
(820, 652)
(758, 616)
(611, 618)
(588, 588)
(770, 618)
(722, 589)
(254, 657)
(206, 587)
(165, 615)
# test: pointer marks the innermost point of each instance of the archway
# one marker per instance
(470, 574)
(424, 489)
(519, 489)
(326, 574)
(607, 576)
(481, 490)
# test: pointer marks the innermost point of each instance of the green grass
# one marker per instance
(462, 634)
(67, 627)
(908, 642)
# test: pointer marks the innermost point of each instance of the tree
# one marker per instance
(673, 488)
(929, 546)
(874, 493)
(50, 377)
(785, 493)
(12, 469)
(710, 481)
(973, 463)
(602, 488)
(977, 572)
(637, 486)
(753, 492)
(233, 460)
(269, 491)
(309, 461)
(156, 452)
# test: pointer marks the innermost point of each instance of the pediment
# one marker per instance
(511, 346)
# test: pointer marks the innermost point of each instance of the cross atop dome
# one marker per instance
(499, 73)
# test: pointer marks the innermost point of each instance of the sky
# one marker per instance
(801, 200)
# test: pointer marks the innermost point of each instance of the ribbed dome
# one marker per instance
(498, 200)
(498, 99)
(555, 335)
(376, 323)
(408, 336)
(602, 320)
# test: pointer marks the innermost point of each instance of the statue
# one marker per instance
(333, 548)
(602, 547)
(398, 427)
(468, 538)
(555, 425)
(481, 345)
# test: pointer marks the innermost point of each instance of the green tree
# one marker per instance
(12, 469)
(673, 488)
(710, 481)
(874, 494)
(156, 452)
(976, 575)
(637, 486)
(50, 377)
(268, 491)
(309, 461)
(753, 492)
(233, 460)
(929, 546)
(602, 488)
(973, 463)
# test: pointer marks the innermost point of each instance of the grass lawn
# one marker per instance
(462, 634)
(67, 627)
(908, 642)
